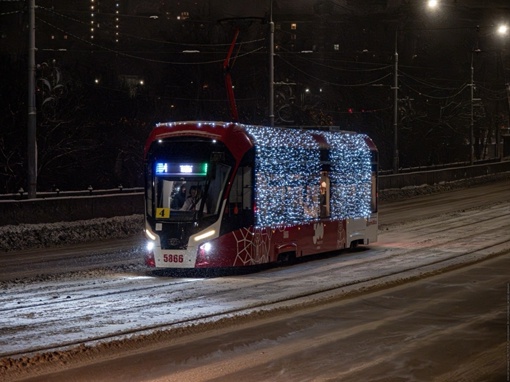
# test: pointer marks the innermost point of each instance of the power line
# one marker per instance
(121, 53)
(10, 13)
(164, 42)
(334, 83)
(423, 82)
(301, 56)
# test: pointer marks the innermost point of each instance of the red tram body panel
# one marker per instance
(224, 195)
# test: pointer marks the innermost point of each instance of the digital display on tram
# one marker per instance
(181, 169)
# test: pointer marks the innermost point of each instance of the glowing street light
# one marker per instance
(432, 4)
(502, 29)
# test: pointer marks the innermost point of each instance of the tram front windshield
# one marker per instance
(186, 179)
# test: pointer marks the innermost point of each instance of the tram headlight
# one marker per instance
(204, 253)
(206, 247)
(150, 246)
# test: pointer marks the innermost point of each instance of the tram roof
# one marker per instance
(241, 137)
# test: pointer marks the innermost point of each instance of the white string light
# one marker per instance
(287, 161)
(288, 169)
(350, 175)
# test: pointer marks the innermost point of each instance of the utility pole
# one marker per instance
(471, 122)
(32, 112)
(271, 66)
(395, 110)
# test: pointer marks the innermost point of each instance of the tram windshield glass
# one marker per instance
(186, 179)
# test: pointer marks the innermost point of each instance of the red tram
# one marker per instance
(255, 194)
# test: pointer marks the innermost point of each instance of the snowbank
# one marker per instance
(23, 236)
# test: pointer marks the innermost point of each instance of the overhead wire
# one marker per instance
(10, 13)
(422, 93)
(301, 56)
(495, 95)
(492, 94)
(499, 95)
(124, 54)
(165, 42)
(424, 82)
(334, 83)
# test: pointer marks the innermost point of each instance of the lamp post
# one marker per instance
(32, 113)
(501, 30)
(271, 66)
(395, 109)
(472, 118)
(432, 5)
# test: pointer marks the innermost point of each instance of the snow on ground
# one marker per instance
(75, 320)
(79, 317)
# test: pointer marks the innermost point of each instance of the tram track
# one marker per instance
(8, 305)
(167, 304)
(77, 306)
(254, 306)
(119, 288)
(456, 216)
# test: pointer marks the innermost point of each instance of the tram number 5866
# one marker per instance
(173, 258)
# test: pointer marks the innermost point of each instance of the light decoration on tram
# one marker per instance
(288, 175)
(287, 162)
(350, 175)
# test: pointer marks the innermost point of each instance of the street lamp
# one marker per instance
(432, 4)
(271, 65)
(501, 30)
(395, 108)
(32, 112)
(472, 119)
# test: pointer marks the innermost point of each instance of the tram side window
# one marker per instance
(241, 190)
(216, 187)
(239, 210)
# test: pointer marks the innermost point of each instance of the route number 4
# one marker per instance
(162, 213)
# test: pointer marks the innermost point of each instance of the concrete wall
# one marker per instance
(46, 209)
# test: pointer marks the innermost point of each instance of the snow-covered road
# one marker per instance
(77, 315)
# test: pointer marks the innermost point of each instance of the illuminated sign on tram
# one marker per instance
(181, 169)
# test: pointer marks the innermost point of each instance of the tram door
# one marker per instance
(324, 195)
(239, 209)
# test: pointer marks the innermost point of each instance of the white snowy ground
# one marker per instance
(45, 322)
(79, 318)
